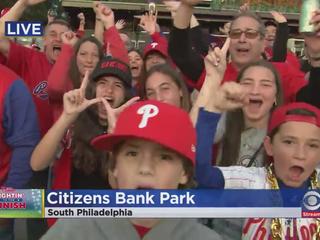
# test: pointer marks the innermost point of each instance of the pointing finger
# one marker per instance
(225, 47)
(85, 81)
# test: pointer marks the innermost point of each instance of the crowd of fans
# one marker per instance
(91, 112)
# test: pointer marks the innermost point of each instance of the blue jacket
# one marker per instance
(19, 130)
(207, 176)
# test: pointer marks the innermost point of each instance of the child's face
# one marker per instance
(112, 89)
(260, 84)
(162, 88)
(296, 152)
(143, 164)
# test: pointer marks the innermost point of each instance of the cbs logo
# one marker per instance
(311, 200)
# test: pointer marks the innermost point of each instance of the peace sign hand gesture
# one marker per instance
(74, 101)
(113, 113)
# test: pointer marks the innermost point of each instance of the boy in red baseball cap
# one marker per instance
(293, 147)
(146, 154)
(155, 53)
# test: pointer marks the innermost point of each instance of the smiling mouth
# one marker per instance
(255, 102)
(242, 50)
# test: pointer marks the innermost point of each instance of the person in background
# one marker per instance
(34, 66)
(82, 22)
(246, 46)
(164, 84)
(310, 93)
(120, 25)
(155, 52)
(136, 67)
(19, 134)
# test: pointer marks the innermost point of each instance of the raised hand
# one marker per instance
(120, 24)
(245, 7)
(278, 17)
(229, 96)
(50, 16)
(69, 38)
(315, 20)
(148, 22)
(74, 101)
(106, 15)
(172, 6)
(82, 18)
(216, 60)
(95, 5)
(113, 113)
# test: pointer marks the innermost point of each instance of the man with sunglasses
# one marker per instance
(247, 33)
(312, 52)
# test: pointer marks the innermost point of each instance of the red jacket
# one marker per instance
(59, 81)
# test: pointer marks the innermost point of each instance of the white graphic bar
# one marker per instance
(95, 212)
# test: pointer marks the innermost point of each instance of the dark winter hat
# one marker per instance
(113, 67)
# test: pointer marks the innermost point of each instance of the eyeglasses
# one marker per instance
(250, 33)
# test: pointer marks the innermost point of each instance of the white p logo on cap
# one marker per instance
(147, 111)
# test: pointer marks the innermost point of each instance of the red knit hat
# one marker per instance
(155, 47)
(154, 121)
(280, 115)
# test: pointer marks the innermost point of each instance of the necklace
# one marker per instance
(276, 228)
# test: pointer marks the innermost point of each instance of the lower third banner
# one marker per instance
(200, 203)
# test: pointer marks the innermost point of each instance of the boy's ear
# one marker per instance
(268, 146)
(183, 178)
(112, 179)
(113, 172)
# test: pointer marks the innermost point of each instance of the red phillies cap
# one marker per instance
(154, 121)
(155, 47)
(280, 115)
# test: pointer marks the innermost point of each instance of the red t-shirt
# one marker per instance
(34, 68)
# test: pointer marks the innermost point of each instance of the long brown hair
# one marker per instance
(235, 124)
(87, 126)
(167, 70)
(142, 73)
(73, 68)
